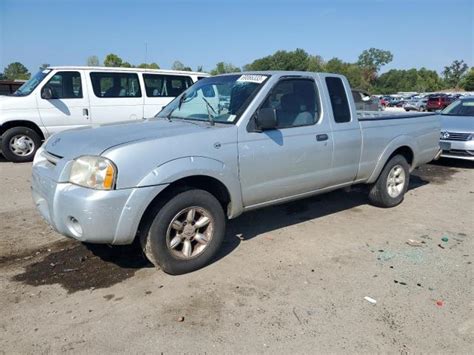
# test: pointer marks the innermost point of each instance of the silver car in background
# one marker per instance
(418, 104)
(457, 130)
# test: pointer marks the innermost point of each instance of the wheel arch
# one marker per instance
(21, 123)
(399, 146)
(203, 182)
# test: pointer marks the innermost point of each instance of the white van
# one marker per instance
(60, 98)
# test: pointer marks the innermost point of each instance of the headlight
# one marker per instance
(94, 172)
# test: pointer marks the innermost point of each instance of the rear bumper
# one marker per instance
(110, 217)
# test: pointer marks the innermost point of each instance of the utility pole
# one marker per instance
(146, 53)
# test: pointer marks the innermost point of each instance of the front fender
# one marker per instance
(185, 167)
(391, 147)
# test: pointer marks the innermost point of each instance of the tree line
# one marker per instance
(363, 74)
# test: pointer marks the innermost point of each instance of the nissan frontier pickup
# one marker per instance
(228, 144)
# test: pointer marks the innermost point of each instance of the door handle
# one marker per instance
(85, 112)
(322, 137)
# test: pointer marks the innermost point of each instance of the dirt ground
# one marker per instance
(290, 278)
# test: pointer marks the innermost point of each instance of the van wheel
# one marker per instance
(186, 232)
(19, 144)
(391, 185)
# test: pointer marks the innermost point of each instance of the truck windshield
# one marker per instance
(216, 99)
(31, 84)
(460, 108)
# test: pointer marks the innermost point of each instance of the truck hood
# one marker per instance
(460, 124)
(96, 140)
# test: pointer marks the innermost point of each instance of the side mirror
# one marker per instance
(47, 93)
(266, 119)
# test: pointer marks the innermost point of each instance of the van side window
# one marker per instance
(108, 85)
(339, 103)
(159, 85)
(295, 102)
(66, 85)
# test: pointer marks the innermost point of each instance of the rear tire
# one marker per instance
(19, 144)
(186, 232)
(392, 183)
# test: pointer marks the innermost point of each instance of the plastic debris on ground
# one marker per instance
(414, 243)
(369, 299)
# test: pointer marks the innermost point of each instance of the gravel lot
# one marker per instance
(290, 278)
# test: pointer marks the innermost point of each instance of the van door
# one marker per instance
(69, 105)
(293, 159)
(160, 89)
(115, 97)
(346, 132)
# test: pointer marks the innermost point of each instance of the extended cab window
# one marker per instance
(66, 85)
(108, 85)
(339, 103)
(159, 85)
(295, 102)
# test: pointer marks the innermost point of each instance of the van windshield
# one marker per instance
(216, 99)
(31, 84)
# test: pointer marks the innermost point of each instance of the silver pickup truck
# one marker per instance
(229, 144)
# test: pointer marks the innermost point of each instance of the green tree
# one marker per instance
(126, 65)
(298, 60)
(222, 68)
(453, 74)
(43, 66)
(149, 66)
(113, 60)
(177, 65)
(371, 60)
(468, 81)
(422, 80)
(351, 71)
(93, 61)
(17, 71)
(315, 63)
(200, 68)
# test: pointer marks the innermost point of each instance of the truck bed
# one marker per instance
(384, 129)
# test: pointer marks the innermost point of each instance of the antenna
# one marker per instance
(146, 53)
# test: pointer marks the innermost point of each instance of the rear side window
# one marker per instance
(66, 85)
(339, 103)
(158, 85)
(108, 85)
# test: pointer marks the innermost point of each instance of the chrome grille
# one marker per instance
(454, 136)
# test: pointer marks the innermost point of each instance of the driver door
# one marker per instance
(69, 106)
(293, 159)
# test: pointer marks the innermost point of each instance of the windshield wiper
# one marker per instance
(208, 105)
(181, 99)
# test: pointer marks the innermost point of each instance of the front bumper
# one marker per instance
(457, 149)
(110, 217)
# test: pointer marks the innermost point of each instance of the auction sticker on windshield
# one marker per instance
(250, 78)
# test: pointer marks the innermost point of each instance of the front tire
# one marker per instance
(392, 183)
(186, 232)
(19, 144)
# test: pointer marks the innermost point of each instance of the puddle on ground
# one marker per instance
(437, 173)
(84, 266)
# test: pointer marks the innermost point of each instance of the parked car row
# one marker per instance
(417, 102)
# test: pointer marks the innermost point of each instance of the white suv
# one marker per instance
(60, 98)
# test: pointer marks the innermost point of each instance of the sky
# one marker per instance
(419, 33)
